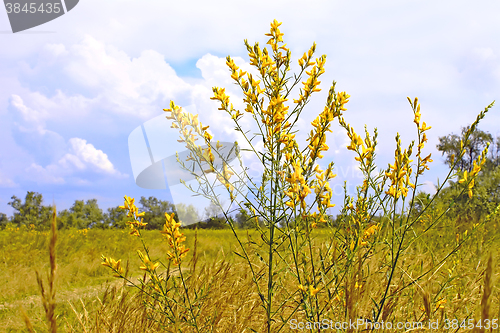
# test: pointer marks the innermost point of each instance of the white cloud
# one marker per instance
(43, 175)
(130, 86)
(35, 118)
(82, 156)
(484, 53)
(86, 154)
(42, 109)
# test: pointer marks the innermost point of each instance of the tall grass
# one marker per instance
(105, 305)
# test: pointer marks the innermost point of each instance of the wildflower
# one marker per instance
(477, 164)
(133, 212)
(114, 265)
(175, 238)
(313, 291)
(148, 265)
(440, 304)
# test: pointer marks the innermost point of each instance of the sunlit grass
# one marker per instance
(82, 281)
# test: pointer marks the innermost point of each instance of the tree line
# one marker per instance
(84, 215)
(87, 214)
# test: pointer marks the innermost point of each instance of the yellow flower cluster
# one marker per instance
(133, 212)
(184, 119)
(234, 69)
(365, 154)
(322, 124)
(360, 213)
(312, 83)
(276, 35)
(477, 164)
(148, 265)
(322, 188)
(273, 117)
(83, 232)
(399, 173)
(298, 190)
(114, 265)
(181, 120)
(175, 238)
(224, 179)
(421, 136)
(261, 58)
(367, 234)
(312, 291)
(440, 304)
(305, 61)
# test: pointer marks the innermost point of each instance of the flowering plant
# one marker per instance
(294, 275)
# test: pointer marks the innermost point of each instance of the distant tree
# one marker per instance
(31, 211)
(3, 220)
(117, 218)
(450, 145)
(486, 196)
(187, 214)
(82, 216)
(243, 220)
(466, 211)
(214, 217)
(155, 210)
(493, 161)
(212, 210)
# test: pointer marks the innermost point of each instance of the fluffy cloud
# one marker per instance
(82, 156)
(85, 154)
(131, 86)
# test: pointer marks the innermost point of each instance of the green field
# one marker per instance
(84, 305)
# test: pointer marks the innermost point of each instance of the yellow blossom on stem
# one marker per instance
(148, 265)
(114, 265)
(175, 238)
(313, 291)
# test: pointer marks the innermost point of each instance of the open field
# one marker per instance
(454, 290)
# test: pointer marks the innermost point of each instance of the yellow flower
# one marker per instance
(439, 304)
(301, 287)
(207, 136)
(208, 156)
(147, 263)
(174, 237)
(464, 179)
(425, 127)
(114, 265)
(313, 291)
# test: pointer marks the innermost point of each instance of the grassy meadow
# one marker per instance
(90, 299)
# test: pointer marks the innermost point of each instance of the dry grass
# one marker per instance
(230, 303)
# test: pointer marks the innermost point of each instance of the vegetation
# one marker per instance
(393, 256)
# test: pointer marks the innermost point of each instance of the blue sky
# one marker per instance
(72, 90)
